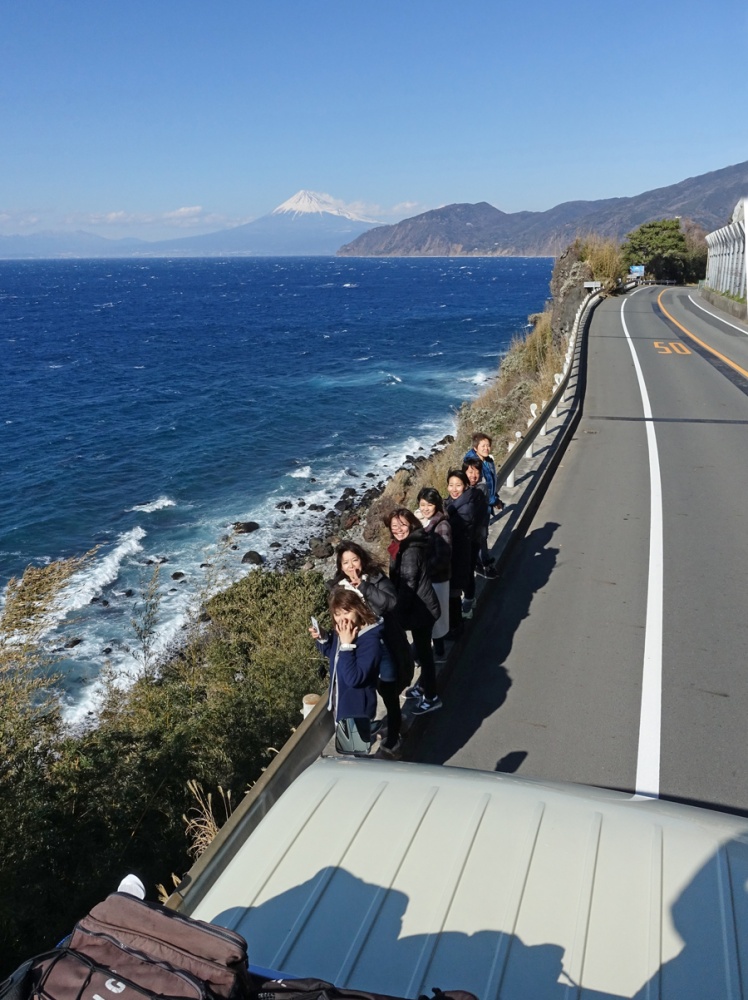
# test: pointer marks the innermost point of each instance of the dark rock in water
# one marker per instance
(322, 551)
(129, 592)
(275, 545)
(371, 475)
(253, 557)
(316, 506)
(72, 643)
(106, 651)
(343, 504)
(351, 472)
(284, 505)
(331, 515)
(409, 458)
(301, 503)
(312, 479)
(206, 565)
(234, 547)
(105, 604)
(245, 527)
(177, 576)
(172, 590)
(94, 600)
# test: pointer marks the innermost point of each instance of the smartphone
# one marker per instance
(315, 626)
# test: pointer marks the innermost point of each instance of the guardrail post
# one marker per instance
(557, 382)
(533, 414)
(510, 478)
(544, 427)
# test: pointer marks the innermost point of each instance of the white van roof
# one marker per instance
(395, 878)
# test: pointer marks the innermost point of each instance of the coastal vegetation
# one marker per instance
(669, 249)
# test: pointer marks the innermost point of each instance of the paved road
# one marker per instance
(614, 651)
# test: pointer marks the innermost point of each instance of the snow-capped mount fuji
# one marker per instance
(306, 225)
(311, 202)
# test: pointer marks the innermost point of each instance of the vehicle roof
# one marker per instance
(395, 878)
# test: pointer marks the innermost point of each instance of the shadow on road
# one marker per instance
(479, 681)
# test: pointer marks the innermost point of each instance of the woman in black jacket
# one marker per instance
(358, 570)
(465, 509)
(436, 524)
(417, 605)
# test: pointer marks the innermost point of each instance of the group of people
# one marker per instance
(434, 554)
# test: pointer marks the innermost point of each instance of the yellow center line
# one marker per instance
(693, 336)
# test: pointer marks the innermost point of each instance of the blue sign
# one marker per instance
(636, 269)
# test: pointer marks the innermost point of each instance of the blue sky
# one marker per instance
(157, 118)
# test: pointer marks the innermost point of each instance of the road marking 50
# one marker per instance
(674, 347)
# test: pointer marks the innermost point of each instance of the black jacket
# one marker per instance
(440, 530)
(417, 603)
(466, 516)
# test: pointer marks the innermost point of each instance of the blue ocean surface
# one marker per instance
(147, 405)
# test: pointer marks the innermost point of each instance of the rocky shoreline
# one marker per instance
(347, 517)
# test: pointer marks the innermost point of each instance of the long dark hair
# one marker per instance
(406, 515)
(342, 599)
(369, 564)
(430, 495)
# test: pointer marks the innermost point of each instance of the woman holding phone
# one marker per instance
(354, 651)
(358, 570)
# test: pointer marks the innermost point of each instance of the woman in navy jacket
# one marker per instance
(354, 651)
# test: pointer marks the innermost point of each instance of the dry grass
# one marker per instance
(525, 376)
(604, 257)
(201, 824)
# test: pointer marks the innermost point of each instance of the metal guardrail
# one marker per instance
(522, 447)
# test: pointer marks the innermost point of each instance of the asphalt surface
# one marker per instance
(573, 640)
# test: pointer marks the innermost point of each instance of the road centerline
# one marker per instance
(650, 717)
(722, 357)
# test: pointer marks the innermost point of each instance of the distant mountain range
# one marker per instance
(311, 224)
(482, 230)
(308, 224)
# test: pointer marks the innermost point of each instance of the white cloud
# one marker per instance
(395, 213)
(16, 222)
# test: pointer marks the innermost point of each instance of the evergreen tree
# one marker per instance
(661, 247)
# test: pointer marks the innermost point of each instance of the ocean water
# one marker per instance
(147, 405)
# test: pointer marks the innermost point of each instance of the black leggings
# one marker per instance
(425, 656)
(391, 698)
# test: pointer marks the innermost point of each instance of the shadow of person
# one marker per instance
(479, 682)
(510, 763)
(711, 918)
(349, 932)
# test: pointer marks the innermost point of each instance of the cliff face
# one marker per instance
(568, 291)
(482, 230)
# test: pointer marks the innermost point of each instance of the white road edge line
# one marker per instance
(720, 318)
(650, 718)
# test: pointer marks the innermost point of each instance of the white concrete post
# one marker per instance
(510, 477)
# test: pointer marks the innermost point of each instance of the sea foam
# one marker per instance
(85, 585)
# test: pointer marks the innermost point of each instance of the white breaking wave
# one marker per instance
(393, 378)
(92, 580)
(149, 508)
(303, 473)
(478, 379)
